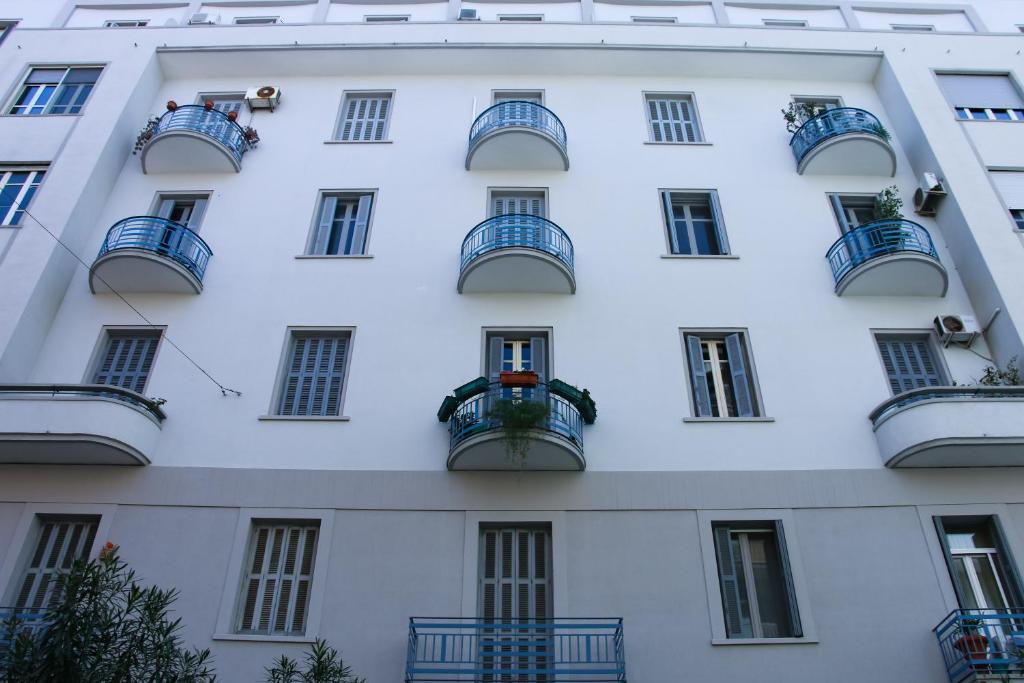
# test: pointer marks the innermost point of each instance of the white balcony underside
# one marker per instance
(850, 154)
(517, 270)
(182, 151)
(954, 432)
(899, 274)
(140, 270)
(488, 451)
(75, 431)
(516, 148)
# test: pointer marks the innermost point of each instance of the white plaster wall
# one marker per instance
(942, 21)
(684, 14)
(816, 18)
(356, 12)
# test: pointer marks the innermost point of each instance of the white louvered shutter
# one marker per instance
(671, 119)
(275, 596)
(1010, 185)
(61, 542)
(127, 361)
(315, 375)
(909, 364)
(365, 118)
(980, 90)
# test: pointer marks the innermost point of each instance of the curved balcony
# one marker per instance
(150, 254)
(843, 141)
(952, 427)
(77, 424)
(479, 438)
(517, 135)
(193, 139)
(893, 257)
(517, 253)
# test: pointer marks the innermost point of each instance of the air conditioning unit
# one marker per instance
(961, 329)
(203, 18)
(264, 97)
(468, 14)
(927, 197)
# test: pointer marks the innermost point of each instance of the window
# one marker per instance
(17, 187)
(529, 202)
(694, 223)
(252, 21)
(853, 210)
(1018, 217)
(364, 117)
(520, 17)
(61, 541)
(223, 103)
(809, 107)
(55, 90)
(127, 359)
(5, 29)
(125, 23)
(785, 23)
(510, 351)
(722, 380)
(758, 597)
(1009, 185)
(314, 375)
(672, 118)
(910, 362)
(185, 209)
(342, 224)
(655, 20)
(278, 576)
(385, 18)
(977, 97)
(919, 28)
(535, 96)
(979, 562)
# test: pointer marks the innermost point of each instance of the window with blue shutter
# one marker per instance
(127, 359)
(342, 224)
(314, 375)
(278, 578)
(694, 222)
(909, 362)
(61, 541)
(672, 118)
(364, 117)
(721, 375)
(758, 596)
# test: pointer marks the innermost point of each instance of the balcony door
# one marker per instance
(982, 573)
(185, 210)
(514, 603)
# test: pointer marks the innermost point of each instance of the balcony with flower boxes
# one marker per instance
(194, 138)
(983, 645)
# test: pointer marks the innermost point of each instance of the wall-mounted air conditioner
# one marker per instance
(961, 329)
(265, 97)
(203, 18)
(928, 196)
(468, 14)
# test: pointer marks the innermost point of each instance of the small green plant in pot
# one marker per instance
(798, 113)
(517, 417)
(1008, 377)
(888, 204)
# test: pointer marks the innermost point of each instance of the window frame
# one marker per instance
(785, 23)
(835, 200)
(698, 126)
(126, 23)
(927, 335)
(706, 520)
(205, 196)
(27, 206)
(491, 191)
(717, 217)
(525, 18)
(314, 228)
(340, 119)
(102, 342)
(760, 412)
(1017, 215)
(654, 20)
(517, 332)
(231, 594)
(282, 374)
(21, 83)
(514, 91)
(386, 18)
(913, 28)
(256, 21)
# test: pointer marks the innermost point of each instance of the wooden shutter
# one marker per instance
(165, 208)
(275, 595)
(671, 119)
(539, 357)
(127, 360)
(323, 231)
(959, 590)
(741, 384)
(1004, 561)
(365, 118)
(730, 572)
(716, 214)
(495, 349)
(840, 211)
(909, 364)
(61, 542)
(787, 578)
(530, 203)
(362, 221)
(227, 106)
(315, 375)
(670, 221)
(698, 376)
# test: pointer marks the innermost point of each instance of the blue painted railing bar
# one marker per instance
(150, 406)
(875, 239)
(212, 123)
(25, 619)
(944, 393)
(160, 236)
(519, 114)
(519, 231)
(983, 644)
(833, 122)
(555, 650)
(472, 415)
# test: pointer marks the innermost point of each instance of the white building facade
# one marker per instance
(225, 334)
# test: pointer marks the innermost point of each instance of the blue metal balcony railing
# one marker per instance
(24, 619)
(212, 123)
(983, 644)
(472, 416)
(535, 651)
(147, 405)
(833, 122)
(161, 236)
(518, 114)
(985, 393)
(875, 239)
(517, 230)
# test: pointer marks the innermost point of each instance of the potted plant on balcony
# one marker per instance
(797, 114)
(973, 644)
(519, 378)
(517, 416)
(992, 376)
(252, 138)
(146, 134)
(888, 204)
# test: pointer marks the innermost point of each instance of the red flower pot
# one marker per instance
(974, 646)
(232, 115)
(519, 379)
(171, 105)
(208, 104)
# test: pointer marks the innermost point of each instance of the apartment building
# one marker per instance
(524, 341)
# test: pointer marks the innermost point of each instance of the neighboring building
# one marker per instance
(785, 478)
